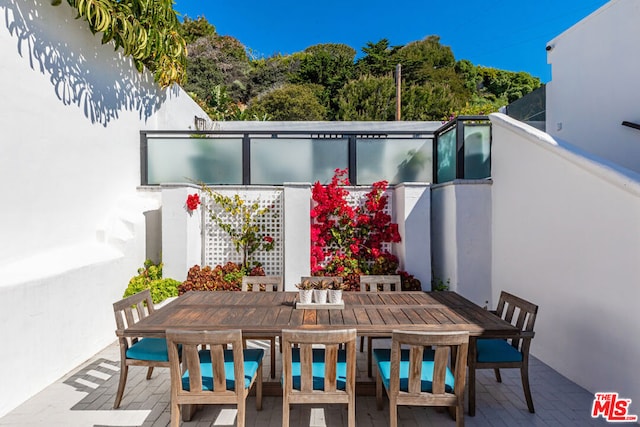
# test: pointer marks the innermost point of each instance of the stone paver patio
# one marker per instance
(84, 398)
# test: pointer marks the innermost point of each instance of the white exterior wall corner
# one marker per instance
(412, 209)
(461, 237)
(72, 225)
(566, 236)
(595, 85)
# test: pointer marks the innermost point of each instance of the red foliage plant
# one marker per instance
(348, 241)
(226, 277)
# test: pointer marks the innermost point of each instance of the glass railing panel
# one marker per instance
(279, 160)
(395, 160)
(209, 160)
(446, 170)
(477, 151)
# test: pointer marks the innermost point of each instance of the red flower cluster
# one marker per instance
(347, 240)
(193, 201)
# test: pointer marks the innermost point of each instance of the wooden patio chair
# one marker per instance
(419, 376)
(215, 375)
(266, 284)
(319, 375)
(150, 352)
(369, 283)
(512, 352)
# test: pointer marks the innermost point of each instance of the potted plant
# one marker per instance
(320, 291)
(335, 291)
(305, 291)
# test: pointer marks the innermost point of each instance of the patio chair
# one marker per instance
(319, 375)
(150, 352)
(512, 352)
(419, 376)
(215, 375)
(369, 283)
(269, 284)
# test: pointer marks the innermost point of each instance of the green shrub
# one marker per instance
(150, 277)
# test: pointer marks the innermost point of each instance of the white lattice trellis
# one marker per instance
(218, 247)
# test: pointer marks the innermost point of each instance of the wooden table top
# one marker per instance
(371, 314)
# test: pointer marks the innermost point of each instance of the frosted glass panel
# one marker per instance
(477, 151)
(279, 160)
(210, 160)
(447, 156)
(394, 160)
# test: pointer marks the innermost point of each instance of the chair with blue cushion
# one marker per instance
(209, 372)
(369, 283)
(419, 376)
(509, 352)
(317, 370)
(264, 284)
(150, 352)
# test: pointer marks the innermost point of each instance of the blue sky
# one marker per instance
(505, 34)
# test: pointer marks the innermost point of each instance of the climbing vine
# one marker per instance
(146, 30)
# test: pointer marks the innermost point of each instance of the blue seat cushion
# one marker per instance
(149, 349)
(252, 361)
(382, 357)
(497, 350)
(317, 369)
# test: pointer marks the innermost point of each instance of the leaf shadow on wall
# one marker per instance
(83, 72)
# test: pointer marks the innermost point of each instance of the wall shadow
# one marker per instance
(83, 72)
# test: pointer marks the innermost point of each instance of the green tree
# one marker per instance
(367, 98)
(378, 59)
(291, 102)
(427, 102)
(192, 29)
(329, 65)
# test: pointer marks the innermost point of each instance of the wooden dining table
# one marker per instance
(266, 314)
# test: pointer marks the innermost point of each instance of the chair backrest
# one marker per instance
(132, 309)
(520, 313)
(306, 341)
(266, 283)
(215, 342)
(389, 283)
(443, 343)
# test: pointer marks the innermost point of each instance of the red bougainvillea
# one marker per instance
(348, 241)
(193, 201)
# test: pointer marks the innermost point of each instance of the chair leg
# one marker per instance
(472, 391)
(242, 409)
(149, 372)
(273, 358)
(460, 414)
(498, 376)
(175, 414)
(351, 408)
(524, 373)
(369, 356)
(393, 413)
(124, 370)
(285, 412)
(379, 402)
(259, 389)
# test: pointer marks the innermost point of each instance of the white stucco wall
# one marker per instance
(461, 237)
(566, 236)
(595, 83)
(72, 223)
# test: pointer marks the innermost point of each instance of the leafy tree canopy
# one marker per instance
(291, 102)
